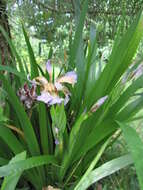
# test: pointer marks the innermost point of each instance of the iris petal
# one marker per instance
(47, 98)
(69, 77)
(58, 86)
(56, 100)
(49, 67)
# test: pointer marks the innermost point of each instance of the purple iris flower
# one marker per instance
(49, 91)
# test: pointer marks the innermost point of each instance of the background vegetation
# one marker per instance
(51, 22)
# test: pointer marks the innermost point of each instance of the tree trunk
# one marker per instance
(4, 48)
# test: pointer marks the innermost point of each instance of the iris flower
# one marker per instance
(50, 91)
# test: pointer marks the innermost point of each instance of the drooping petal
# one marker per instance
(44, 97)
(69, 77)
(49, 99)
(55, 100)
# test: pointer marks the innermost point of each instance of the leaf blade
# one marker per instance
(10, 181)
(26, 164)
(105, 170)
(135, 145)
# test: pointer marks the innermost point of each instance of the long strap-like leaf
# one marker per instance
(105, 170)
(78, 35)
(33, 64)
(13, 71)
(29, 163)
(119, 61)
(10, 182)
(135, 145)
(10, 139)
(23, 118)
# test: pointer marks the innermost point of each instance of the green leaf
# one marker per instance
(58, 126)
(13, 71)
(10, 181)
(58, 118)
(77, 11)
(29, 163)
(78, 89)
(25, 67)
(43, 128)
(2, 117)
(11, 140)
(33, 64)
(105, 170)
(130, 110)
(135, 145)
(50, 53)
(92, 135)
(71, 145)
(3, 161)
(93, 163)
(40, 69)
(126, 95)
(85, 71)
(23, 118)
(119, 61)
(78, 35)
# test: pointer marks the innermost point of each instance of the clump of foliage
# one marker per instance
(52, 144)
